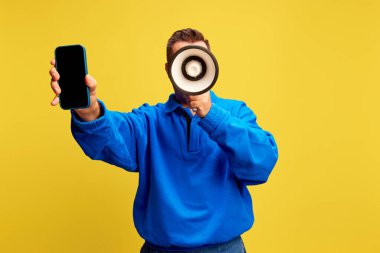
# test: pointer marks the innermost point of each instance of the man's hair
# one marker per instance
(188, 35)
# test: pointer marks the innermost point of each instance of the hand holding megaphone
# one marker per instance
(199, 104)
(193, 71)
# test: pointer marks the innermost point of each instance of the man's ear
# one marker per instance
(167, 68)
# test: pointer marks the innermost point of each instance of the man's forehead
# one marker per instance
(180, 44)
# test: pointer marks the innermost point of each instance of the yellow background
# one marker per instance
(308, 69)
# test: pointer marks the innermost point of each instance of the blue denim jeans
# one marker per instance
(233, 246)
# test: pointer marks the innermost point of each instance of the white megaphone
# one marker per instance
(193, 70)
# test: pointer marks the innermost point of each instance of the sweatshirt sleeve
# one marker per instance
(252, 152)
(114, 137)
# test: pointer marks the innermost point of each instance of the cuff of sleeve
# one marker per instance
(213, 118)
(90, 124)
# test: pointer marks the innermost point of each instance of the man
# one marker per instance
(194, 164)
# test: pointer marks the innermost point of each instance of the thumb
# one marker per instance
(90, 82)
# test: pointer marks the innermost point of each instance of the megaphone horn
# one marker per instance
(193, 70)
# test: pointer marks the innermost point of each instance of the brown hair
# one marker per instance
(188, 35)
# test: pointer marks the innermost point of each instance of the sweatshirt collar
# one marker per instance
(171, 104)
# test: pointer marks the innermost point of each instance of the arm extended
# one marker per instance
(113, 137)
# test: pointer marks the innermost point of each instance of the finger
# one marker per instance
(90, 82)
(52, 62)
(195, 104)
(205, 96)
(55, 101)
(192, 98)
(54, 74)
(55, 87)
(196, 97)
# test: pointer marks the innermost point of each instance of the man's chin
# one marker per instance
(180, 97)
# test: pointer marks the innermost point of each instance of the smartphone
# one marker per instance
(71, 65)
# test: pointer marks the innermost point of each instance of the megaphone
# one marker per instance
(193, 70)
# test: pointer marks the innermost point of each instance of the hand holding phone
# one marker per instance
(72, 67)
(90, 110)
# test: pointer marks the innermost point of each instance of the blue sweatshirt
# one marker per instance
(193, 172)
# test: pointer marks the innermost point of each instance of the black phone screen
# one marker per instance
(72, 68)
